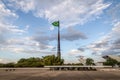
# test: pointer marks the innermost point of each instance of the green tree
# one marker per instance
(1, 65)
(36, 62)
(110, 62)
(30, 62)
(89, 61)
(52, 60)
(118, 64)
(9, 65)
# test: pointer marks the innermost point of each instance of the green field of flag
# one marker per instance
(56, 23)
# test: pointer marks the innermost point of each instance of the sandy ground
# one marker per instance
(41, 74)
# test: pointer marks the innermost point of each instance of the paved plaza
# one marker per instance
(41, 74)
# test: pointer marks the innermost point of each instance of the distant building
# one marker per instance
(99, 63)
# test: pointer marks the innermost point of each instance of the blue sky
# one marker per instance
(88, 28)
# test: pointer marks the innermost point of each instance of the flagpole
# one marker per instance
(58, 47)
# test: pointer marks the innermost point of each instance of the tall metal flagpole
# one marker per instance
(58, 46)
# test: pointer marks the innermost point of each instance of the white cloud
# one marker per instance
(11, 36)
(72, 34)
(8, 31)
(74, 52)
(6, 28)
(69, 35)
(24, 5)
(6, 13)
(113, 12)
(25, 45)
(116, 29)
(69, 12)
(108, 44)
(3, 60)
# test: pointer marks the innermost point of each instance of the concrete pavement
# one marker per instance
(40, 74)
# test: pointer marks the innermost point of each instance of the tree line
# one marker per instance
(53, 60)
(35, 62)
(108, 62)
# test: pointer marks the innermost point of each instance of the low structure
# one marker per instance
(100, 63)
(77, 68)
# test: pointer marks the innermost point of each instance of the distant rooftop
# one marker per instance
(116, 57)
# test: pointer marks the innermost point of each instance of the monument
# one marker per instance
(57, 24)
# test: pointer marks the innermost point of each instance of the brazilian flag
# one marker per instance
(56, 23)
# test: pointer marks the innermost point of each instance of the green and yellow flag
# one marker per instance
(56, 23)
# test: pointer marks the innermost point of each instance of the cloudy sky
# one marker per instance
(90, 28)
